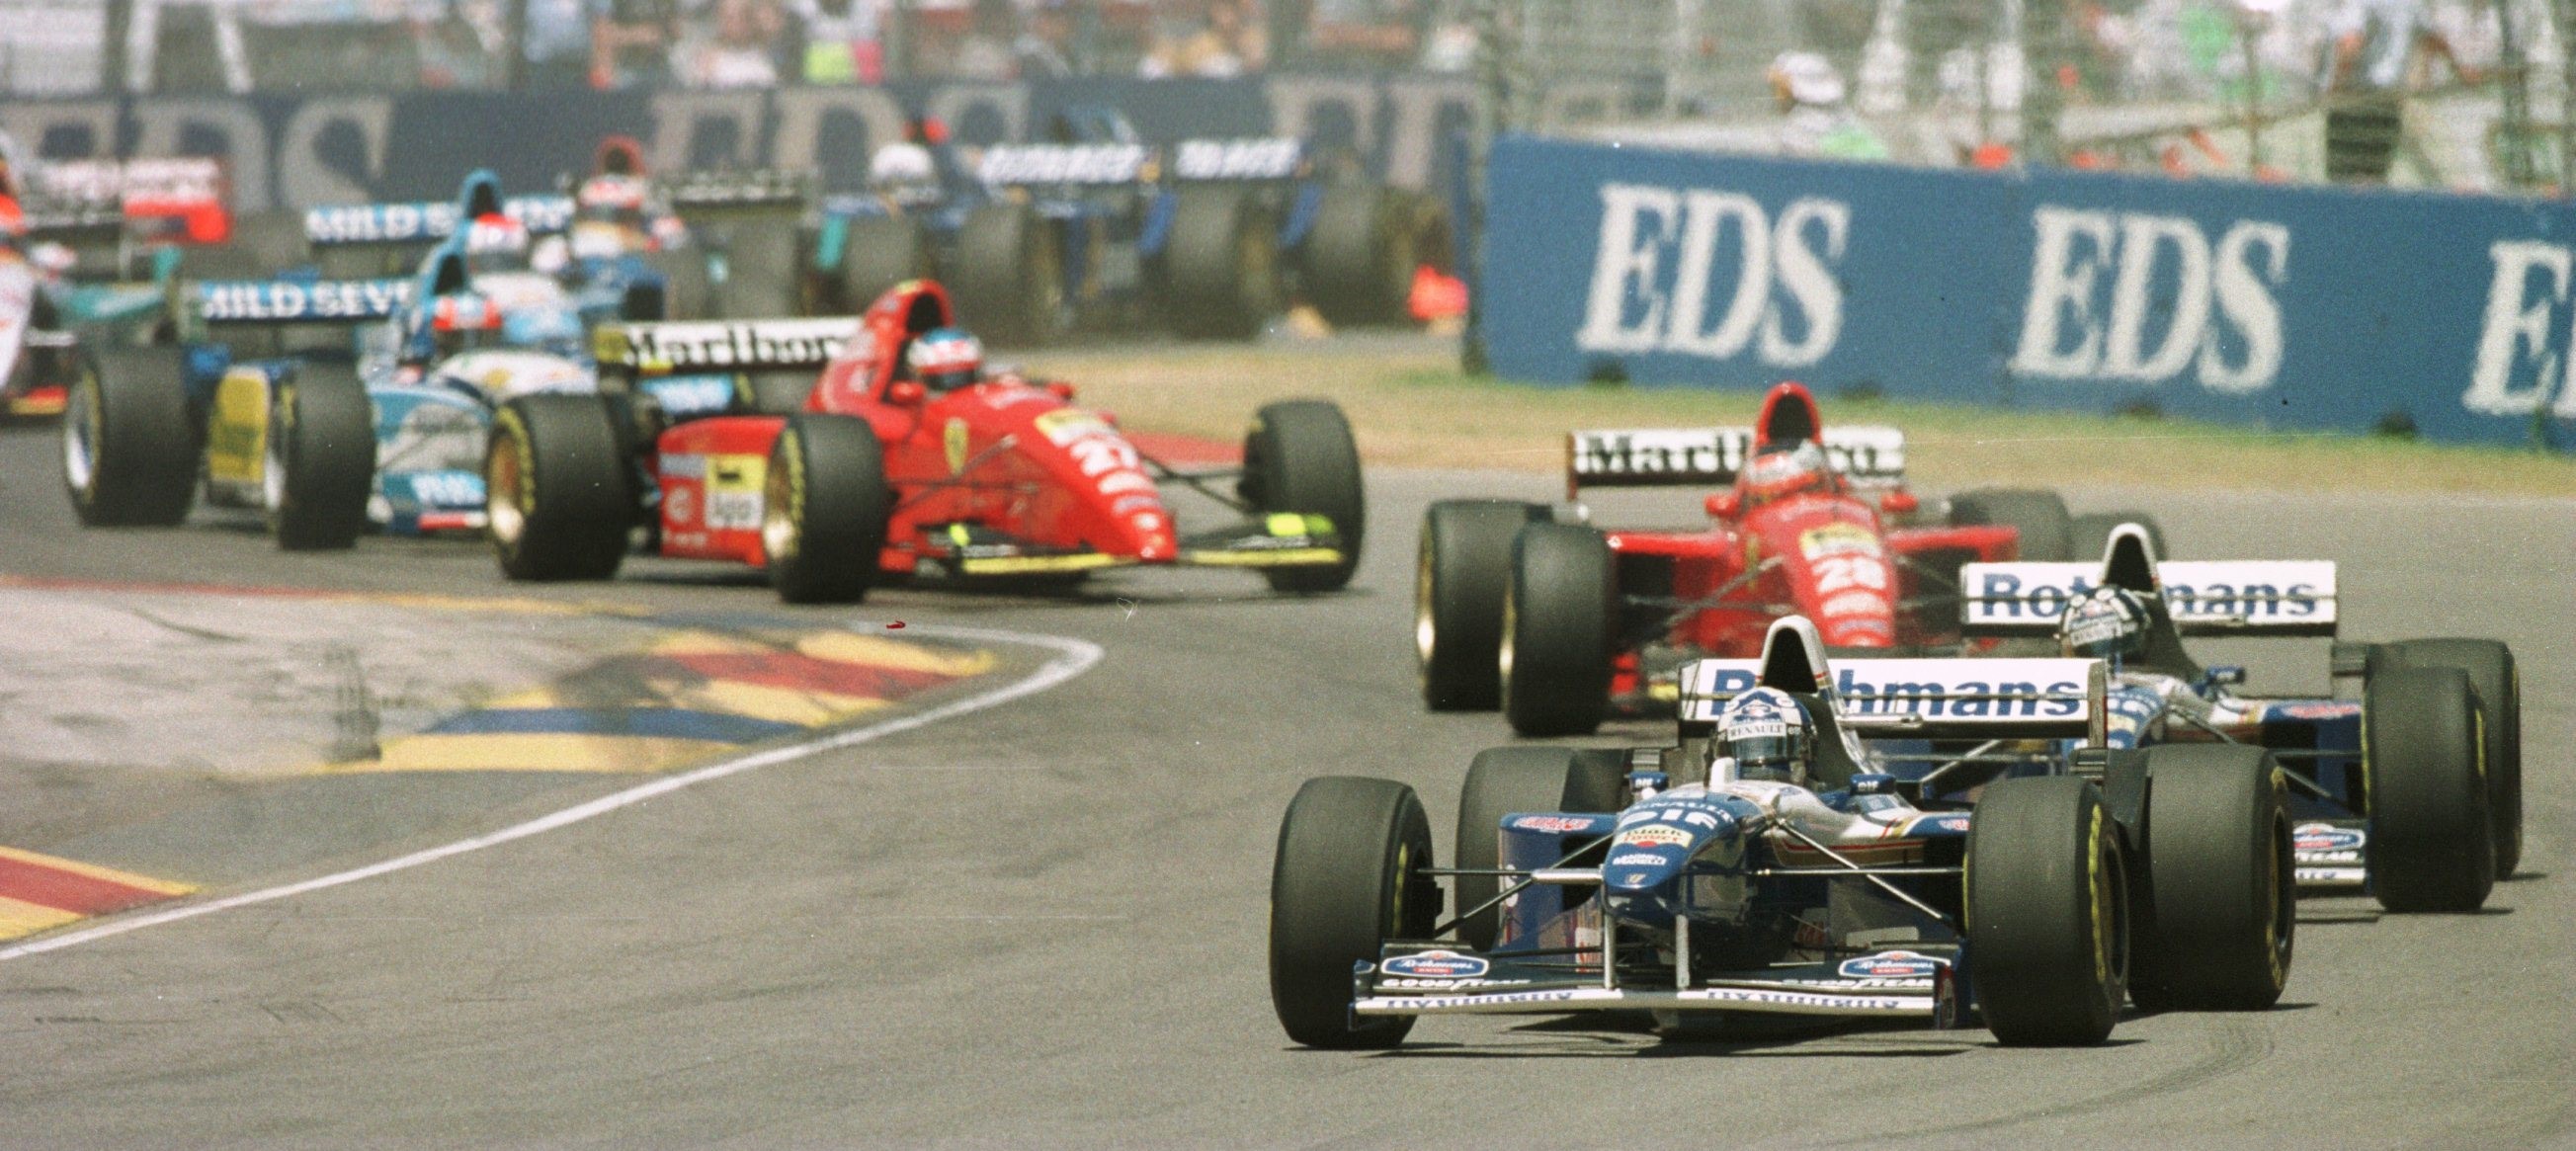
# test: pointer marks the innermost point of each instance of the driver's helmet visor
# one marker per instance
(950, 380)
(1770, 754)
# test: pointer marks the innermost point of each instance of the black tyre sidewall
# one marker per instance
(1221, 264)
(2431, 842)
(878, 253)
(324, 427)
(1462, 569)
(2498, 682)
(143, 449)
(827, 477)
(1344, 878)
(1504, 780)
(1300, 457)
(2218, 923)
(1559, 612)
(572, 455)
(1359, 256)
(2041, 517)
(2047, 955)
(760, 270)
(1008, 271)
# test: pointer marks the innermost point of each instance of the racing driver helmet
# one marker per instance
(1763, 734)
(2104, 623)
(496, 243)
(1779, 471)
(945, 359)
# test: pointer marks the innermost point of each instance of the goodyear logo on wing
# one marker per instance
(1007, 164)
(1890, 965)
(752, 344)
(1436, 965)
(280, 300)
(1253, 159)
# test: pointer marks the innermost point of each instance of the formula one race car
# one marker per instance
(1096, 229)
(2414, 790)
(327, 404)
(705, 245)
(1805, 848)
(1561, 623)
(905, 459)
(92, 256)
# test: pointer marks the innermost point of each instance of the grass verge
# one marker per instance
(1412, 407)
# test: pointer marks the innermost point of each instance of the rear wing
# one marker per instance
(426, 222)
(131, 183)
(632, 350)
(1019, 165)
(1928, 698)
(228, 302)
(1706, 457)
(2204, 597)
(1252, 158)
(701, 192)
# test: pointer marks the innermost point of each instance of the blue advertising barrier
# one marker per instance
(299, 151)
(2288, 308)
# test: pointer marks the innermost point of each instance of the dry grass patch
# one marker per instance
(1412, 407)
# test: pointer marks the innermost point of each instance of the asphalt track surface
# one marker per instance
(1042, 924)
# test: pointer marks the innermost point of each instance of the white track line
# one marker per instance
(1073, 658)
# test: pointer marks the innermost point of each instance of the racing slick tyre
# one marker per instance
(1299, 457)
(1360, 255)
(1558, 612)
(2089, 535)
(2492, 674)
(560, 488)
(760, 270)
(1459, 575)
(1346, 878)
(321, 463)
(2047, 911)
(685, 292)
(1009, 279)
(2214, 929)
(2047, 530)
(1221, 265)
(129, 450)
(1504, 780)
(2431, 845)
(823, 515)
(876, 254)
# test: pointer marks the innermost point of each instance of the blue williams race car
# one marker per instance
(1096, 230)
(2413, 790)
(1866, 838)
(326, 404)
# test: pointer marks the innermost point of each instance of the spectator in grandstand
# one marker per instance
(458, 44)
(631, 42)
(844, 40)
(1372, 34)
(985, 52)
(1044, 49)
(2368, 65)
(1818, 119)
(1219, 38)
(556, 44)
(736, 46)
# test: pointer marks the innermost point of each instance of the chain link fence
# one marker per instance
(2451, 94)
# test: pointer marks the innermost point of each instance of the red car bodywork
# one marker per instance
(1846, 558)
(1003, 477)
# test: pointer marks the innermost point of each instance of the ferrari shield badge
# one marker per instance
(956, 442)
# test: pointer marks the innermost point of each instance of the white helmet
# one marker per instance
(1764, 734)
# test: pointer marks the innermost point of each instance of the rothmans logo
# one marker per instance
(754, 344)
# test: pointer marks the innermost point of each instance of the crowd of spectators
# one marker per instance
(763, 43)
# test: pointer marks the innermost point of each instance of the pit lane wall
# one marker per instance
(2284, 308)
(298, 151)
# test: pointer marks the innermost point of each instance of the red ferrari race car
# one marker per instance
(1533, 609)
(903, 459)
